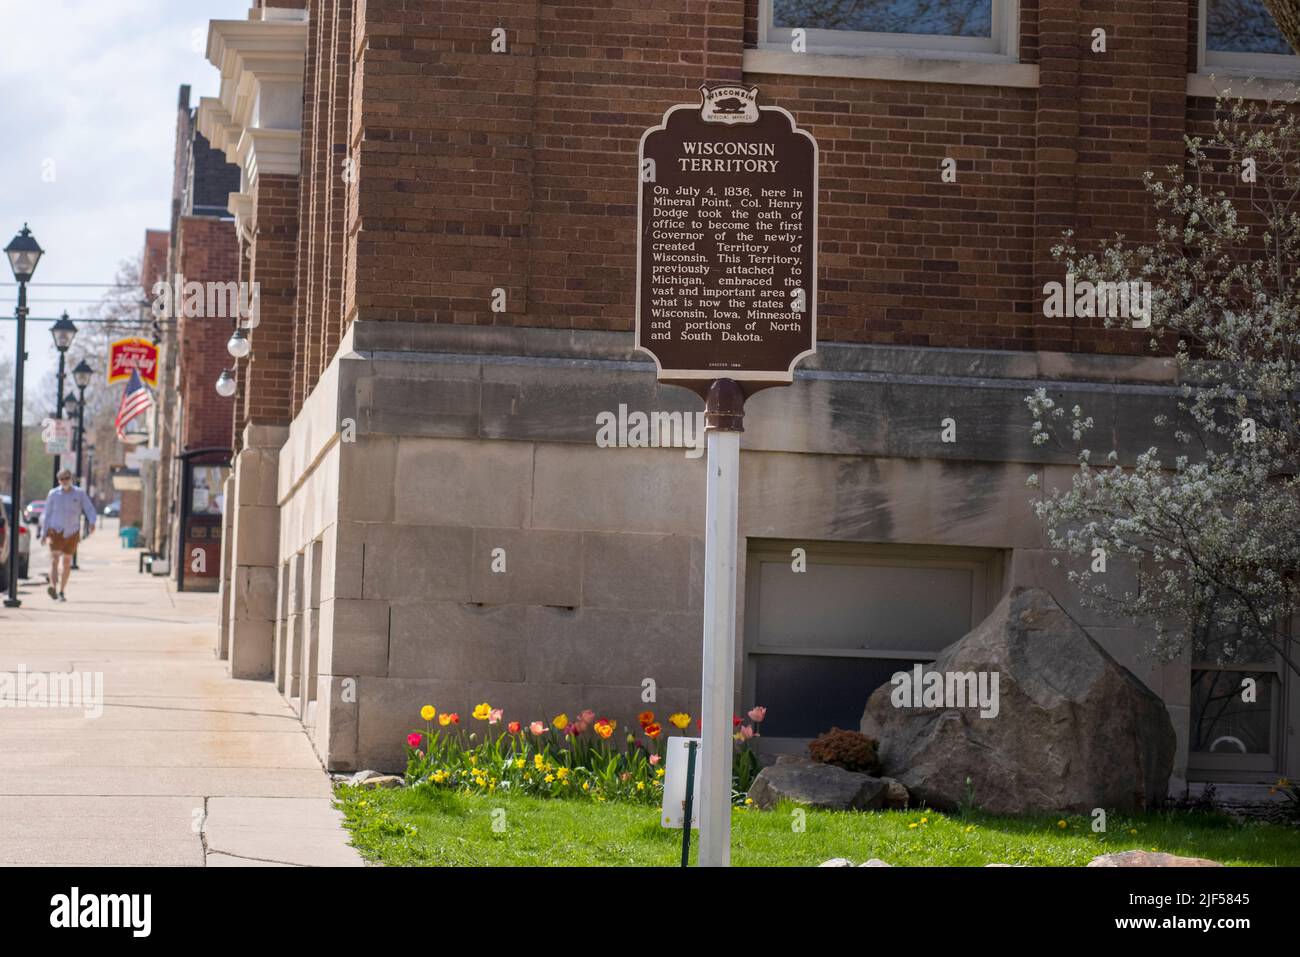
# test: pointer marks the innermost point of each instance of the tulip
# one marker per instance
(413, 739)
(757, 714)
(513, 727)
(537, 727)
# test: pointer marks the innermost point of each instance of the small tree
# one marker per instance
(1210, 516)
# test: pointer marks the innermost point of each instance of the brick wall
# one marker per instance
(208, 251)
(266, 380)
(478, 170)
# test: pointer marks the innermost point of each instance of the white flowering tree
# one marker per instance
(1209, 515)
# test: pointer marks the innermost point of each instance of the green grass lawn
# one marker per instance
(433, 827)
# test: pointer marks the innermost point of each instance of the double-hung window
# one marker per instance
(1240, 38)
(977, 29)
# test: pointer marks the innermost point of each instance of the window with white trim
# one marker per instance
(975, 29)
(1240, 38)
(819, 641)
(1237, 709)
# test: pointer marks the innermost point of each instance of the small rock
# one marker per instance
(382, 781)
(896, 796)
(836, 862)
(1149, 859)
(875, 862)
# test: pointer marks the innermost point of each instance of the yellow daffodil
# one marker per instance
(519, 762)
(1061, 825)
(549, 778)
(539, 762)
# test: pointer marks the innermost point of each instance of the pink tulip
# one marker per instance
(757, 714)
(654, 759)
(413, 739)
(494, 715)
(746, 732)
(537, 727)
(578, 727)
(586, 717)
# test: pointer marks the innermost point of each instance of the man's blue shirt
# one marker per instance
(63, 509)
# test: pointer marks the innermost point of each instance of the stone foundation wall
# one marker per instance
(425, 449)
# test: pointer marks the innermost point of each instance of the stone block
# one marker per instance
(353, 637)
(460, 482)
(451, 641)
(407, 564)
(367, 471)
(256, 593)
(541, 567)
(1033, 567)
(658, 491)
(615, 646)
(343, 561)
(919, 502)
(257, 535)
(432, 396)
(335, 732)
(252, 645)
(636, 571)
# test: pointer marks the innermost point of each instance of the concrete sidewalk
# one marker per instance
(185, 766)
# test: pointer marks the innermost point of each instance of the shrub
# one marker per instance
(845, 749)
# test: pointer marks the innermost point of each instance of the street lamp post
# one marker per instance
(81, 375)
(24, 253)
(63, 332)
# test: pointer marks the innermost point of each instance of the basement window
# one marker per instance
(982, 29)
(818, 642)
(1237, 704)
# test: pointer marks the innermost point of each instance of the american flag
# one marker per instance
(135, 401)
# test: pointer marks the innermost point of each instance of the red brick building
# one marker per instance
(192, 421)
(402, 162)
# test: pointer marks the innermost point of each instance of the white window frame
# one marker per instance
(985, 564)
(1002, 47)
(1239, 64)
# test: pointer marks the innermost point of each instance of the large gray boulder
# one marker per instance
(1074, 730)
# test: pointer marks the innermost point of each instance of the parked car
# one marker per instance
(24, 541)
(32, 513)
(4, 547)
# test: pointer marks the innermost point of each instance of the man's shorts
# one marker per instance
(66, 544)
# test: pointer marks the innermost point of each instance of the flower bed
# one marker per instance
(583, 757)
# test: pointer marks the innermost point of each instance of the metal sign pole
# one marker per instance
(723, 417)
(688, 808)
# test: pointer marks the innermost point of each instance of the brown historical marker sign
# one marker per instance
(727, 241)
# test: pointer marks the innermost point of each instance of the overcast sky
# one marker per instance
(88, 93)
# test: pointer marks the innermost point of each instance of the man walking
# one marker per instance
(61, 524)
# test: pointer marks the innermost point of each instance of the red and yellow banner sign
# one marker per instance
(127, 354)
